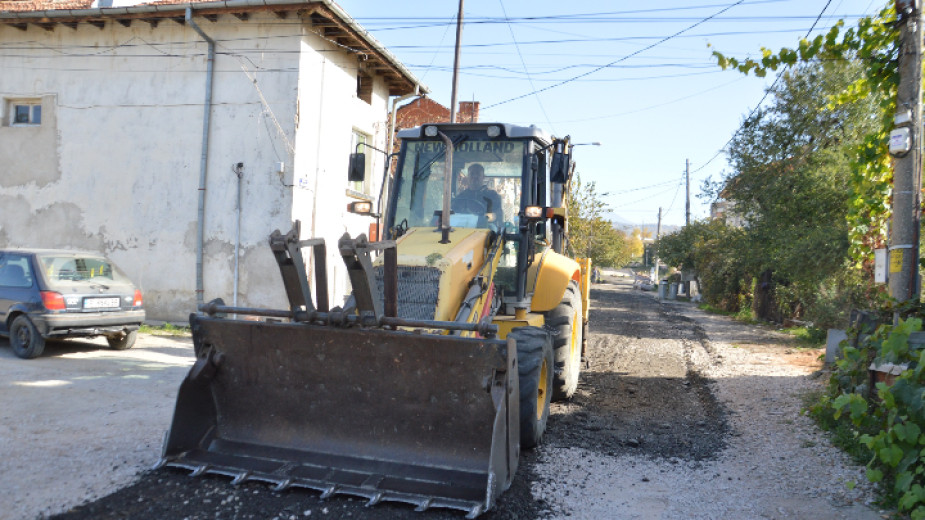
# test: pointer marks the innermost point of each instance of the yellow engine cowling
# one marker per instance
(548, 278)
(434, 277)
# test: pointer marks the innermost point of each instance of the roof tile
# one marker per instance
(43, 5)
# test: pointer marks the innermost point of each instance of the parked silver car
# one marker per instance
(65, 294)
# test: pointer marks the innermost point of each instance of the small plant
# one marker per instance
(890, 424)
(166, 329)
(809, 335)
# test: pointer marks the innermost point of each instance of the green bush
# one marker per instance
(890, 424)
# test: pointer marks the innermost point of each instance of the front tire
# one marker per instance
(567, 323)
(25, 339)
(123, 340)
(534, 368)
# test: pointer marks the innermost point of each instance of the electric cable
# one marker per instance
(767, 92)
(529, 77)
(621, 59)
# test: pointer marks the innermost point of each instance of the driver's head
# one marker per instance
(476, 176)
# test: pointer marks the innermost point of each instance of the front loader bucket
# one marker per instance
(426, 419)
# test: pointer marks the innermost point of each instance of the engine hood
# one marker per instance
(433, 278)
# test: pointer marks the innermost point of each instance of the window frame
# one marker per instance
(24, 261)
(34, 108)
(361, 189)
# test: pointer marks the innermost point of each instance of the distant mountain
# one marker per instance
(620, 223)
(628, 227)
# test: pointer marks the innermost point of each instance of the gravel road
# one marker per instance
(679, 414)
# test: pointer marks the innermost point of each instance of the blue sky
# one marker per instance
(638, 77)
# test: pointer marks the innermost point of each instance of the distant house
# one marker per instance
(176, 137)
(425, 110)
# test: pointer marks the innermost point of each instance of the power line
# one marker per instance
(650, 186)
(526, 71)
(437, 52)
(410, 48)
(767, 92)
(621, 59)
(652, 107)
(637, 201)
(590, 18)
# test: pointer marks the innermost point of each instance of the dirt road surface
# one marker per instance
(679, 414)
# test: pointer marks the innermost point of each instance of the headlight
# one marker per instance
(430, 131)
(493, 131)
(533, 212)
(361, 208)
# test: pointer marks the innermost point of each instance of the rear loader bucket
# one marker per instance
(426, 419)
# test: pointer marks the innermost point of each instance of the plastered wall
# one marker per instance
(115, 165)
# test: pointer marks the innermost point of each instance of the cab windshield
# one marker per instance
(485, 189)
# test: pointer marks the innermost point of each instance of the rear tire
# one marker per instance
(25, 339)
(568, 341)
(534, 368)
(123, 340)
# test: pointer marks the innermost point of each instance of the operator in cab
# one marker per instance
(478, 199)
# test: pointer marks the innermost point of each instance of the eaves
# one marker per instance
(325, 17)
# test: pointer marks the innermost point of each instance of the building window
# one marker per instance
(25, 112)
(361, 189)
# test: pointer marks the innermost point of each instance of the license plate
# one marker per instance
(101, 303)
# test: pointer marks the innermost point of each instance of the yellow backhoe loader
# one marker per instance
(463, 323)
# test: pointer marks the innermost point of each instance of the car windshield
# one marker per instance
(420, 183)
(69, 271)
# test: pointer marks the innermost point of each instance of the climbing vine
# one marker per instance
(875, 44)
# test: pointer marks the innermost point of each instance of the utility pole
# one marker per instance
(658, 234)
(687, 179)
(459, 24)
(906, 148)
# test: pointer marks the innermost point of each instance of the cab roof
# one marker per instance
(510, 131)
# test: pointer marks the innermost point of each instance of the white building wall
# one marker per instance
(115, 165)
(329, 112)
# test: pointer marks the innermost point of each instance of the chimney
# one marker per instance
(468, 112)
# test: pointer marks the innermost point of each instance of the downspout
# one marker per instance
(203, 163)
(387, 177)
(239, 173)
(318, 149)
(395, 102)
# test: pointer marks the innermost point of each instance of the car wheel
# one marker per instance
(25, 339)
(123, 340)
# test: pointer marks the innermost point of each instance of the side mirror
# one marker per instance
(559, 170)
(357, 171)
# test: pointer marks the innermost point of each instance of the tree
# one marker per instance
(717, 253)
(793, 163)
(590, 235)
(795, 182)
(678, 249)
(873, 45)
(637, 240)
(791, 183)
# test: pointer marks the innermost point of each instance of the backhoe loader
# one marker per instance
(464, 321)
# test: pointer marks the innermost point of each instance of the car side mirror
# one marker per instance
(357, 171)
(559, 170)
